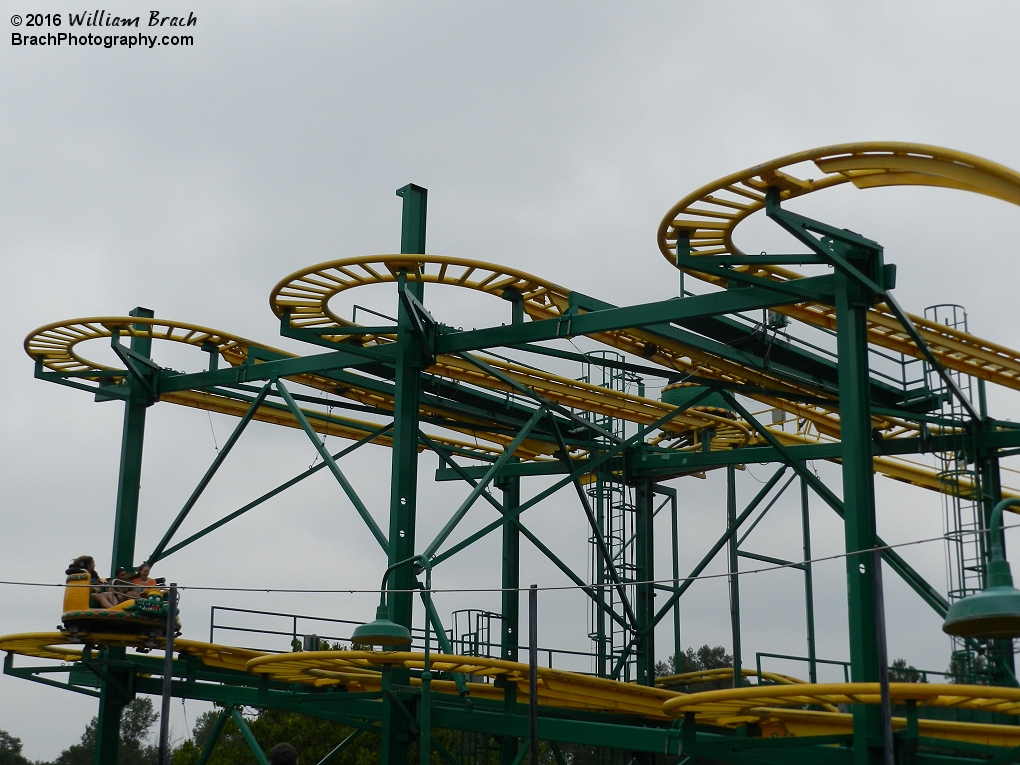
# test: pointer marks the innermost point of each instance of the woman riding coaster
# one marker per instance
(99, 596)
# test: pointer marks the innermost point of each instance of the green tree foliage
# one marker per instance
(970, 668)
(699, 660)
(313, 739)
(901, 672)
(136, 725)
(10, 750)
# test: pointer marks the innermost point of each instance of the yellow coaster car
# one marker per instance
(145, 615)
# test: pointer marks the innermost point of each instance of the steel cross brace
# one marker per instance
(588, 467)
(479, 487)
(514, 518)
(607, 558)
(202, 484)
(269, 494)
(548, 405)
(906, 572)
(366, 516)
(799, 226)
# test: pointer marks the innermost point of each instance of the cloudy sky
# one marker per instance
(552, 138)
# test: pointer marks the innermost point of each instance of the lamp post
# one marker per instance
(995, 611)
(383, 632)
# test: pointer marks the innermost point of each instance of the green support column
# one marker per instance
(604, 665)
(129, 483)
(396, 733)
(809, 586)
(511, 581)
(852, 302)
(732, 566)
(116, 692)
(644, 605)
(987, 468)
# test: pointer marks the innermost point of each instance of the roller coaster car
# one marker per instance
(145, 615)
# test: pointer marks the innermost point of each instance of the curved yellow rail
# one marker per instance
(775, 708)
(55, 346)
(58, 646)
(731, 701)
(709, 216)
(556, 687)
(306, 294)
(778, 709)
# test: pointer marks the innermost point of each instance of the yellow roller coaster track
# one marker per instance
(306, 294)
(776, 708)
(779, 709)
(55, 347)
(710, 215)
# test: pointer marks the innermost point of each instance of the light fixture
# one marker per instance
(995, 611)
(381, 632)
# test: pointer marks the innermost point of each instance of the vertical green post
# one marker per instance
(115, 692)
(733, 567)
(129, 484)
(644, 605)
(396, 732)
(852, 302)
(809, 587)
(987, 467)
(602, 653)
(511, 605)
(675, 528)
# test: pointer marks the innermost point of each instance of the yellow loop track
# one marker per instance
(710, 215)
(556, 687)
(306, 294)
(776, 709)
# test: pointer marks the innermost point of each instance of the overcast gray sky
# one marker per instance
(552, 138)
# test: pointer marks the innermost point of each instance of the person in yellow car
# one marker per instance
(142, 580)
(99, 597)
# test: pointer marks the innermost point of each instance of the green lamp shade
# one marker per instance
(381, 631)
(992, 613)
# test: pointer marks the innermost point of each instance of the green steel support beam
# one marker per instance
(815, 288)
(204, 482)
(809, 585)
(481, 486)
(510, 610)
(282, 366)
(248, 736)
(674, 523)
(269, 494)
(112, 688)
(587, 466)
(396, 735)
(644, 601)
(733, 569)
(986, 464)
(929, 594)
(719, 544)
(214, 734)
(852, 303)
(352, 495)
(130, 479)
(339, 748)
